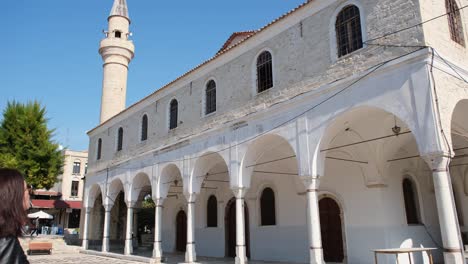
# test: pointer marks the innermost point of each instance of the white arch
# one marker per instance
(167, 175)
(92, 194)
(138, 182)
(257, 149)
(203, 165)
(340, 120)
(115, 187)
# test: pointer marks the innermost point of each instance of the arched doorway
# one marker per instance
(332, 233)
(181, 231)
(230, 227)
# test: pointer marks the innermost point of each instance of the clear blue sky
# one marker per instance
(50, 50)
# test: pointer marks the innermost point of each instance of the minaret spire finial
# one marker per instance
(120, 9)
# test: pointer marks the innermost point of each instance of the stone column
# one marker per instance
(241, 250)
(449, 225)
(157, 251)
(190, 254)
(129, 230)
(86, 228)
(313, 221)
(105, 236)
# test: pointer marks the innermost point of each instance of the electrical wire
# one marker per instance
(413, 26)
(378, 66)
(369, 71)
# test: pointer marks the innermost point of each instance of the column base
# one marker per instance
(190, 254)
(105, 246)
(157, 260)
(316, 256)
(157, 253)
(241, 260)
(128, 247)
(454, 258)
(85, 244)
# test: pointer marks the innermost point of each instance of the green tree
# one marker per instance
(26, 144)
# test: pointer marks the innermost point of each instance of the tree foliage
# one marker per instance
(26, 144)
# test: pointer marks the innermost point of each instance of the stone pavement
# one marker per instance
(75, 258)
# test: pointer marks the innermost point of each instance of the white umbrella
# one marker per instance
(41, 215)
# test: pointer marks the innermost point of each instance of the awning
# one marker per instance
(46, 193)
(58, 204)
(40, 215)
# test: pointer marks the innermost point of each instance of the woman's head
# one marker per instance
(14, 197)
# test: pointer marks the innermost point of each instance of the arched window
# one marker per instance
(454, 22)
(144, 128)
(267, 207)
(348, 30)
(264, 71)
(210, 97)
(212, 212)
(120, 139)
(173, 109)
(118, 34)
(99, 149)
(411, 202)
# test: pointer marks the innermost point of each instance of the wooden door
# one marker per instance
(230, 226)
(332, 235)
(181, 231)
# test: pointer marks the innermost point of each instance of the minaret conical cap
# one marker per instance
(120, 9)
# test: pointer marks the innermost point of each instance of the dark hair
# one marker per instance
(12, 213)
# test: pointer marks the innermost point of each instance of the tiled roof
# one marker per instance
(242, 34)
(255, 32)
(47, 193)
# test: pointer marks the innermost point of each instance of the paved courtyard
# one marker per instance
(75, 258)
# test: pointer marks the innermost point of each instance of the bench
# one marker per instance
(40, 247)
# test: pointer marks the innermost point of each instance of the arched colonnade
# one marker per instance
(354, 163)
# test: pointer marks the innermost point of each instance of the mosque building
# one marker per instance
(337, 129)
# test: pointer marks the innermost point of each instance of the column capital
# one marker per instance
(191, 197)
(437, 161)
(130, 204)
(239, 192)
(158, 202)
(108, 207)
(311, 183)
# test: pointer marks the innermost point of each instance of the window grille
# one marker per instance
(267, 207)
(264, 72)
(212, 212)
(454, 22)
(76, 167)
(74, 188)
(348, 30)
(99, 149)
(173, 114)
(210, 99)
(144, 128)
(120, 139)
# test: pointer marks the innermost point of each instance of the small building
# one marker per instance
(63, 201)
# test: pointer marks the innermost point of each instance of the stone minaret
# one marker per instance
(117, 51)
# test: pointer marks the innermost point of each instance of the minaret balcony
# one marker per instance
(117, 43)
